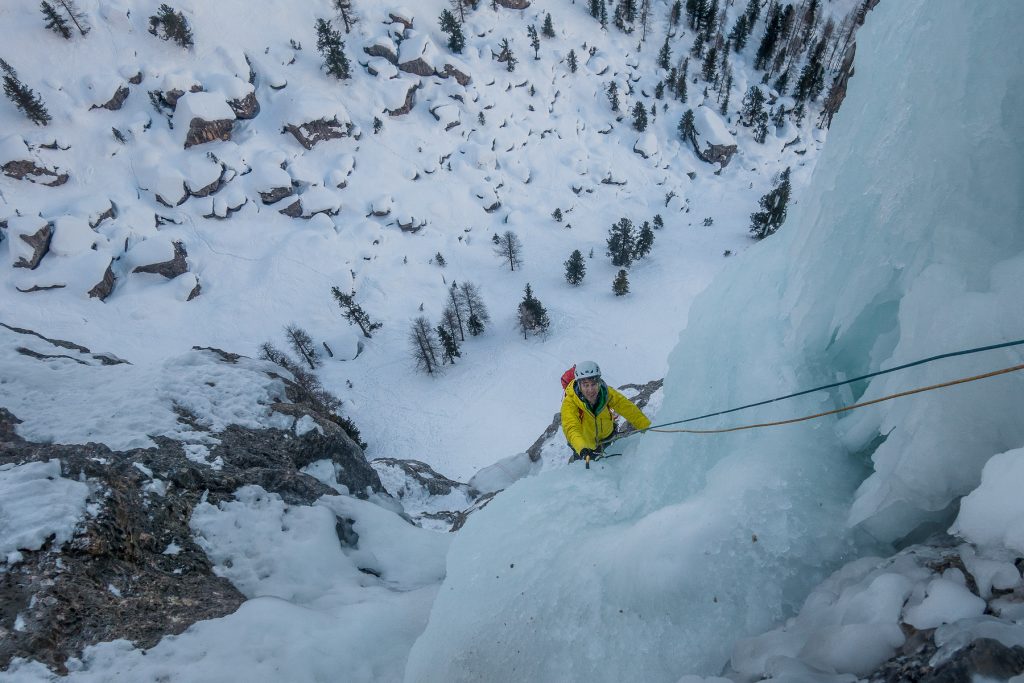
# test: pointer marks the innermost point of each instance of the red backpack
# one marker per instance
(567, 377)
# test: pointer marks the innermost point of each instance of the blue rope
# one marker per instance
(849, 381)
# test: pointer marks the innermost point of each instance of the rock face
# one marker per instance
(310, 133)
(463, 79)
(25, 169)
(276, 194)
(140, 543)
(40, 243)
(104, 287)
(720, 154)
(169, 269)
(245, 108)
(116, 101)
(201, 131)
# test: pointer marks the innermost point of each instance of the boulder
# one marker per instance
(116, 101)
(38, 242)
(408, 104)
(169, 269)
(246, 108)
(383, 47)
(312, 132)
(514, 4)
(293, 210)
(204, 117)
(104, 287)
(403, 17)
(460, 76)
(25, 169)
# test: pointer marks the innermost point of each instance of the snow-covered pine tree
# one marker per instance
(23, 97)
(455, 313)
(709, 69)
(753, 106)
(302, 345)
(77, 16)
(439, 259)
(449, 345)
(332, 49)
(510, 249)
(595, 8)
(621, 243)
(639, 117)
(426, 350)
(54, 21)
(761, 127)
(354, 313)
(665, 55)
(506, 56)
(621, 283)
(475, 307)
(548, 30)
(531, 32)
(739, 34)
(575, 268)
(533, 317)
(773, 27)
(773, 209)
(613, 95)
(573, 64)
(687, 129)
(658, 222)
(644, 242)
(451, 26)
(169, 24)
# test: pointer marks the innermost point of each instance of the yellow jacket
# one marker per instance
(585, 427)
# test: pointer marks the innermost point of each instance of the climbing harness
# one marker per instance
(963, 380)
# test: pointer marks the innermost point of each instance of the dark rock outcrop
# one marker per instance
(246, 108)
(25, 169)
(380, 50)
(293, 210)
(40, 243)
(116, 101)
(514, 4)
(104, 287)
(450, 71)
(310, 133)
(201, 131)
(276, 194)
(169, 269)
(410, 102)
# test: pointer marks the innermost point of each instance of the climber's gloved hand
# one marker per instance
(586, 453)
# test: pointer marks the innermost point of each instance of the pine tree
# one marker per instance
(773, 209)
(332, 49)
(781, 83)
(779, 117)
(475, 307)
(531, 32)
(575, 268)
(675, 14)
(639, 117)
(709, 69)
(752, 13)
(170, 25)
(761, 127)
(613, 95)
(510, 249)
(604, 15)
(77, 16)
(739, 34)
(455, 313)
(347, 13)
(451, 26)
(302, 344)
(595, 8)
(460, 7)
(621, 243)
(439, 259)
(557, 215)
(812, 78)
(425, 348)
(533, 317)
(572, 61)
(773, 27)
(659, 223)
(753, 106)
(23, 97)
(727, 89)
(548, 30)
(665, 55)
(687, 129)
(449, 346)
(644, 242)
(621, 283)
(354, 313)
(54, 21)
(507, 56)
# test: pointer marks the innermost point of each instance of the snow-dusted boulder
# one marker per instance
(382, 68)
(17, 161)
(399, 96)
(173, 86)
(715, 144)
(447, 114)
(409, 223)
(312, 120)
(457, 70)
(202, 117)
(384, 47)
(108, 93)
(382, 206)
(163, 178)
(149, 252)
(272, 182)
(203, 176)
(514, 4)
(418, 55)
(71, 236)
(29, 240)
(239, 94)
(320, 200)
(225, 203)
(403, 16)
(646, 145)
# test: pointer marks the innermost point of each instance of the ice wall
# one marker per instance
(908, 243)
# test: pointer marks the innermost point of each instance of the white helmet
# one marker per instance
(588, 369)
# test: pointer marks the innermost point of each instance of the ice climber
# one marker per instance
(587, 420)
